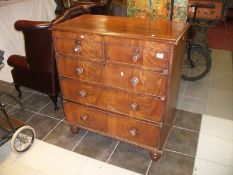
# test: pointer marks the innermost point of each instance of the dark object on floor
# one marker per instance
(221, 36)
(37, 70)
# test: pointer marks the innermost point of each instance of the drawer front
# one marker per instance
(114, 100)
(85, 46)
(85, 116)
(147, 57)
(143, 81)
(137, 131)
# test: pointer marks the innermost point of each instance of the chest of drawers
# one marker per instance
(119, 76)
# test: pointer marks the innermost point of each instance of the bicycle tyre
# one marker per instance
(205, 55)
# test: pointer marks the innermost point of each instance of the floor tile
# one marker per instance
(130, 157)
(183, 141)
(36, 102)
(203, 167)
(172, 163)
(49, 110)
(2, 132)
(198, 89)
(62, 136)
(215, 149)
(7, 107)
(4, 89)
(13, 100)
(6, 83)
(193, 105)
(181, 91)
(221, 80)
(96, 146)
(42, 125)
(48, 159)
(187, 120)
(220, 104)
(222, 60)
(216, 126)
(93, 166)
(21, 114)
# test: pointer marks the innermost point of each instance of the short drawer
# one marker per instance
(85, 116)
(86, 46)
(138, 52)
(144, 81)
(132, 104)
(154, 58)
(134, 130)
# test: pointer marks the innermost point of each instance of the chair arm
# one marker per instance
(25, 25)
(17, 61)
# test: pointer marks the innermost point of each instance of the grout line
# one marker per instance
(185, 129)
(196, 98)
(51, 130)
(148, 167)
(79, 141)
(182, 96)
(44, 115)
(220, 137)
(112, 152)
(178, 152)
(212, 161)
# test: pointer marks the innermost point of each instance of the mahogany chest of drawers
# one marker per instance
(120, 76)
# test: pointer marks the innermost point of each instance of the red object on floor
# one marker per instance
(221, 36)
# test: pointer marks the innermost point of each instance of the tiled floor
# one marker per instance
(212, 95)
(186, 146)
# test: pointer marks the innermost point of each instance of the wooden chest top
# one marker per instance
(157, 30)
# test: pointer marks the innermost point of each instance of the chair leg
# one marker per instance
(54, 100)
(17, 87)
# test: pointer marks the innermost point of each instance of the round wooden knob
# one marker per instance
(134, 81)
(78, 49)
(83, 118)
(135, 58)
(133, 132)
(82, 93)
(79, 70)
(134, 106)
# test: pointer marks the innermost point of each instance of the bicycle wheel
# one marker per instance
(23, 139)
(201, 64)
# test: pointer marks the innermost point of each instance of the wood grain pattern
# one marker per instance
(135, 105)
(151, 30)
(113, 75)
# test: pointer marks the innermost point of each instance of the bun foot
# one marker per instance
(155, 155)
(74, 129)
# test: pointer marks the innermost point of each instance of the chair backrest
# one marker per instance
(39, 42)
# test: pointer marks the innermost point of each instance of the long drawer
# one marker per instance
(115, 125)
(134, 79)
(132, 104)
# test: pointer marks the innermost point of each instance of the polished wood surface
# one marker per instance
(134, 105)
(161, 30)
(119, 76)
(113, 75)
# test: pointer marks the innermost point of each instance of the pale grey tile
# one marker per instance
(193, 105)
(220, 104)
